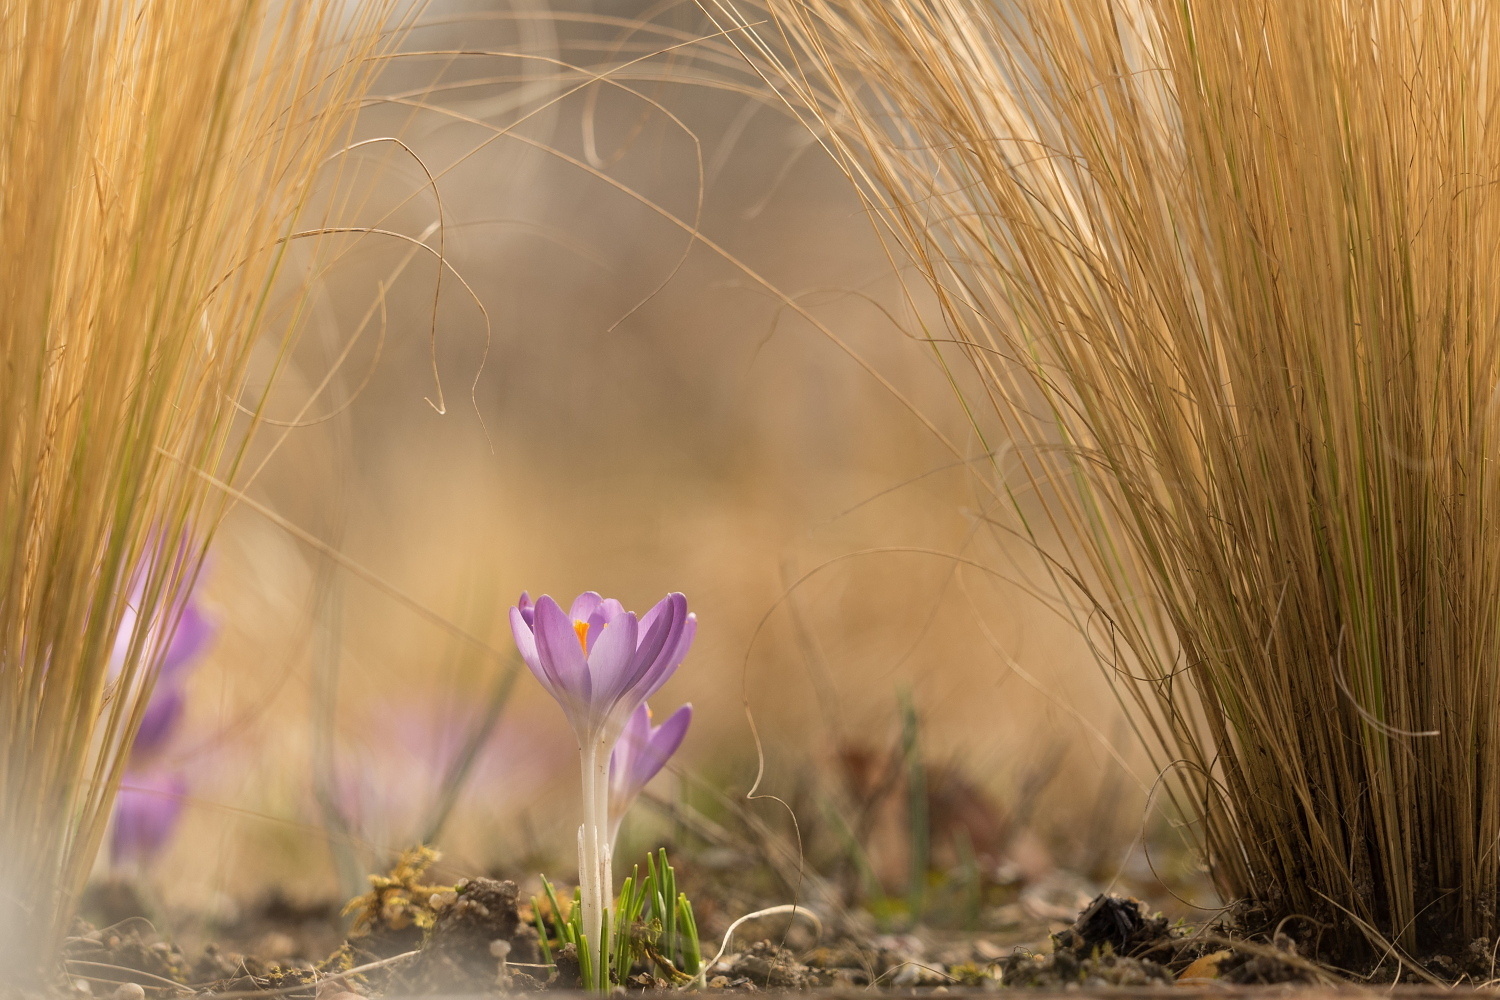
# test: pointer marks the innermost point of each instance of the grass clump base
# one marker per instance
(1220, 277)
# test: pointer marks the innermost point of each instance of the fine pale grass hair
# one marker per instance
(1228, 274)
(153, 157)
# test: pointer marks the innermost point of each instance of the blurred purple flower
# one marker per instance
(159, 721)
(597, 660)
(194, 631)
(642, 751)
(149, 803)
(191, 634)
(146, 812)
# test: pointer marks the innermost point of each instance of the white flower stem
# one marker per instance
(595, 879)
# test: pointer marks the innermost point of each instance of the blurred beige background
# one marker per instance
(709, 441)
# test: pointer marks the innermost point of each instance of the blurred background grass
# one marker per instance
(704, 438)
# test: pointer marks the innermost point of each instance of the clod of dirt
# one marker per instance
(569, 973)
(1479, 959)
(1264, 969)
(124, 954)
(768, 966)
(476, 931)
(1118, 921)
(1108, 945)
(841, 965)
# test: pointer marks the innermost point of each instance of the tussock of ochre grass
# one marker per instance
(153, 155)
(1229, 273)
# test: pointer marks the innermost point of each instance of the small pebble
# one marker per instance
(128, 991)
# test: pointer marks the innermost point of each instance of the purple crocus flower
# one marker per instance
(149, 803)
(146, 812)
(195, 630)
(191, 634)
(600, 663)
(159, 722)
(642, 751)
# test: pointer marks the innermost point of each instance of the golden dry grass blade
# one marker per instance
(1227, 272)
(153, 156)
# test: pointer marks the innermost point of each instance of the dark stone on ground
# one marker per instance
(1118, 921)
(476, 928)
(1108, 945)
(569, 974)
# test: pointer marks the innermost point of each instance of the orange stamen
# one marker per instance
(582, 628)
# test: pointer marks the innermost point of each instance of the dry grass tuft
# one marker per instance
(153, 157)
(1229, 274)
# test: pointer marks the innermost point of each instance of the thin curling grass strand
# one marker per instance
(153, 158)
(1227, 275)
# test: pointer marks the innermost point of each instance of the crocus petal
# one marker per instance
(629, 693)
(584, 605)
(123, 638)
(606, 612)
(527, 609)
(561, 655)
(670, 661)
(663, 606)
(194, 632)
(661, 745)
(520, 630)
(641, 753)
(658, 665)
(638, 730)
(146, 813)
(158, 722)
(610, 662)
(665, 620)
(635, 735)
